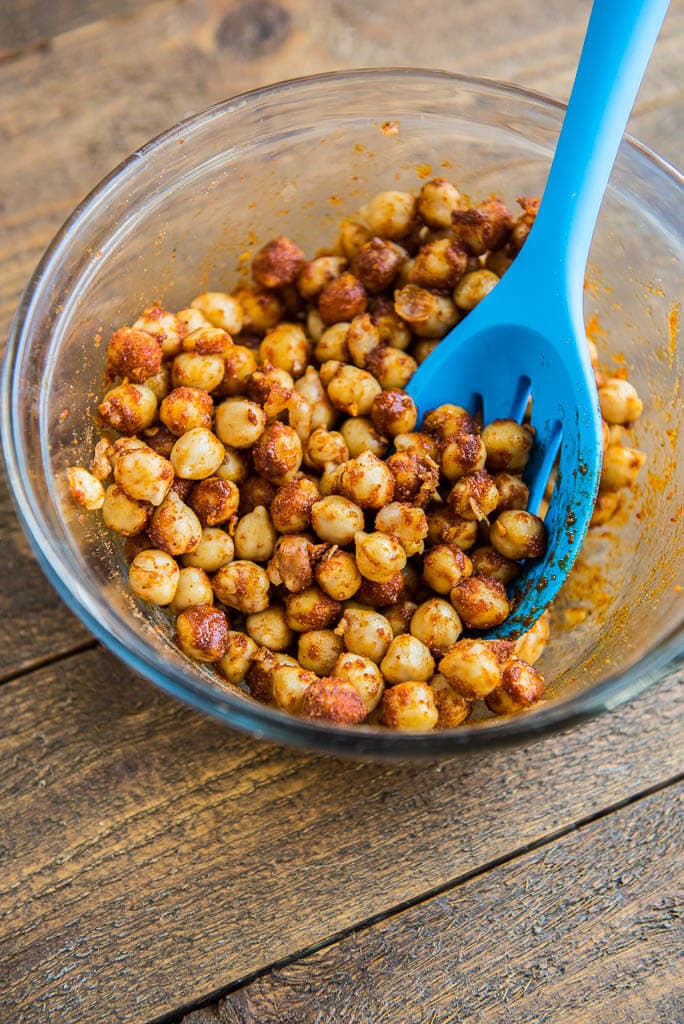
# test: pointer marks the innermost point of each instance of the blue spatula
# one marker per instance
(527, 337)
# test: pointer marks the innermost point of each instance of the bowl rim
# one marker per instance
(256, 719)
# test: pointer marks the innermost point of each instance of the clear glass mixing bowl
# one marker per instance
(294, 158)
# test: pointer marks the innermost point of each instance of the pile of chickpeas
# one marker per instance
(314, 543)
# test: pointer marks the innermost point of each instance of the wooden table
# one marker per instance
(156, 867)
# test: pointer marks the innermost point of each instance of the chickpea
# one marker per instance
(407, 658)
(309, 387)
(508, 445)
(153, 576)
(377, 263)
(255, 491)
(193, 588)
(474, 496)
(292, 504)
(605, 507)
(485, 226)
(463, 454)
(481, 602)
(352, 390)
(101, 466)
(336, 520)
(160, 383)
(190, 320)
(332, 344)
(242, 585)
(311, 609)
(436, 625)
(513, 492)
(530, 646)
(445, 527)
(337, 574)
(215, 549)
(300, 416)
(129, 408)
(186, 408)
(292, 563)
(428, 314)
(269, 628)
(423, 348)
(418, 443)
(437, 201)
(367, 481)
(342, 299)
(334, 700)
(239, 422)
(379, 556)
(133, 355)
(416, 477)
(619, 401)
(193, 370)
(444, 566)
(235, 663)
(201, 632)
(517, 534)
(278, 263)
(521, 686)
(221, 310)
(324, 448)
(364, 675)
(391, 368)
(174, 527)
(487, 561)
(85, 488)
(362, 337)
(406, 523)
(316, 273)
(473, 288)
(390, 214)
(271, 387)
(260, 308)
(214, 501)
(165, 327)
(472, 668)
(277, 455)
(360, 436)
(255, 536)
(144, 475)
(365, 632)
(353, 235)
(208, 341)
(409, 706)
(439, 264)
(621, 467)
(290, 685)
(448, 421)
(399, 615)
(124, 515)
(378, 595)
(331, 480)
(261, 671)
(452, 708)
(287, 347)
(238, 366)
(318, 650)
(197, 454)
(394, 412)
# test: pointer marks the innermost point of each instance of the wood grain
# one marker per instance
(30, 22)
(583, 930)
(149, 858)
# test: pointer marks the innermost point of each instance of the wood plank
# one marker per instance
(585, 929)
(150, 858)
(28, 22)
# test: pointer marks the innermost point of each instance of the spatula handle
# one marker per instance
(617, 47)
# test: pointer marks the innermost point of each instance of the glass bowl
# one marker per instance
(294, 158)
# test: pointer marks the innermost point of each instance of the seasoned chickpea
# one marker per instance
(201, 632)
(214, 500)
(144, 475)
(331, 480)
(391, 367)
(325, 448)
(472, 668)
(365, 632)
(194, 370)
(449, 421)
(101, 466)
(463, 454)
(334, 700)
(481, 602)
(160, 439)
(437, 625)
(238, 366)
(362, 338)
(314, 325)
(518, 534)
(292, 563)
(336, 519)
(473, 288)
(124, 515)
(292, 504)
(129, 408)
(392, 330)
(406, 523)
(242, 585)
(234, 664)
(367, 481)
(419, 443)
(423, 348)
(530, 646)
(364, 675)
(474, 496)
(416, 477)
(197, 454)
(399, 615)
(485, 226)
(337, 575)
(452, 708)
(407, 658)
(353, 235)
(310, 388)
(352, 390)
(262, 667)
(290, 684)
(269, 628)
(191, 319)
(428, 314)
(220, 310)
(619, 401)
(437, 201)
(134, 355)
(193, 588)
(160, 383)
(521, 686)
(318, 650)
(260, 308)
(409, 706)
(165, 327)
(513, 492)
(394, 412)
(215, 549)
(186, 408)
(153, 576)
(508, 445)
(342, 299)
(277, 455)
(239, 422)
(311, 609)
(621, 467)
(379, 595)
(255, 536)
(379, 556)
(174, 527)
(255, 491)
(445, 527)
(287, 347)
(278, 263)
(390, 214)
(377, 263)
(208, 341)
(316, 273)
(444, 566)
(360, 435)
(487, 561)
(85, 488)
(332, 344)
(605, 507)
(439, 264)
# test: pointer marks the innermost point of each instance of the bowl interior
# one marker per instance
(185, 214)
